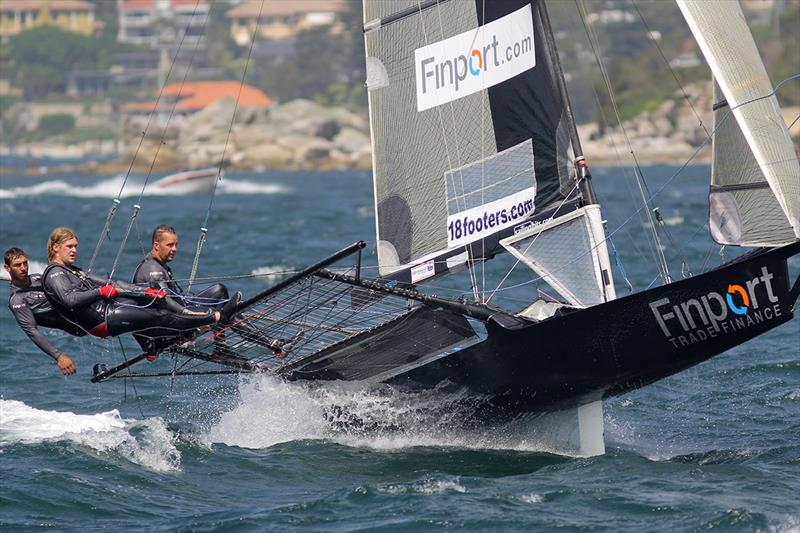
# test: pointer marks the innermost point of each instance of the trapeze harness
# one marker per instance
(76, 295)
(152, 273)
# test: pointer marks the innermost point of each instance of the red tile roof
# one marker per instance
(198, 95)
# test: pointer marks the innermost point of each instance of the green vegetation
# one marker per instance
(641, 77)
(328, 66)
(55, 124)
(83, 134)
(41, 58)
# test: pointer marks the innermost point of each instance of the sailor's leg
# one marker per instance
(213, 296)
(156, 322)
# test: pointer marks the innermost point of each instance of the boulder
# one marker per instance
(351, 141)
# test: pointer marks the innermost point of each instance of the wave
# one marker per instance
(148, 443)
(110, 188)
(272, 274)
(345, 413)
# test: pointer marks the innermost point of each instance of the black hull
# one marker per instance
(595, 353)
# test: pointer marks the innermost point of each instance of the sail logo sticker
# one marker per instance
(699, 319)
(474, 60)
(472, 224)
(422, 271)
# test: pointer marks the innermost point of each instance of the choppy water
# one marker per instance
(715, 447)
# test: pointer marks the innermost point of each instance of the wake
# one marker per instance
(109, 188)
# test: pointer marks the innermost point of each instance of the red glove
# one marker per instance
(108, 291)
(155, 293)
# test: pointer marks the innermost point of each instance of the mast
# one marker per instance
(583, 175)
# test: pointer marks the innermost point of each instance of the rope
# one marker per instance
(116, 202)
(658, 191)
(204, 226)
(595, 43)
(671, 70)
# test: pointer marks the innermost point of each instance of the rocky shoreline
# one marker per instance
(301, 134)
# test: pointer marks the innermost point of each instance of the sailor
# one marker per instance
(31, 309)
(104, 309)
(154, 271)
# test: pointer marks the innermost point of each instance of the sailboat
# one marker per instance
(476, 154)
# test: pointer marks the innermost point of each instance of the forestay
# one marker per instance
(471, 134)
(728, 46)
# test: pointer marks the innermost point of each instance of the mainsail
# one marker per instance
(741, 209)
(472, 133)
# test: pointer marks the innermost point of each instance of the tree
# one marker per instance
(42, 57)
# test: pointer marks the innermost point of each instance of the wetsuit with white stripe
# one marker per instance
(31, 309)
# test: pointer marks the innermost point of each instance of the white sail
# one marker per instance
(570, 254)
(721, 31)
(743, 210)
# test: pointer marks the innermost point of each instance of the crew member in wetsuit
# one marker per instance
(154, 271)
(31, 309)
(103, 310)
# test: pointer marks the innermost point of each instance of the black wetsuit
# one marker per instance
(152, 273)
(76, 295)
(30, 307)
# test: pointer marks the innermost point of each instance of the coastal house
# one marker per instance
(282, 19)
(191, 97)
(160, 24)
(17, 16)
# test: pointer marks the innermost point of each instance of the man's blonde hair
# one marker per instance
(58, 236)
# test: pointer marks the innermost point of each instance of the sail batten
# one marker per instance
(471, 134)
(757, 139)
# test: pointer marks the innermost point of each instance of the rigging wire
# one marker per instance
(204, 226)
(642, 185)
(669, 180)
(135, 392)
(470, 262)
(105, 232)
(671, 70)
(137, 206)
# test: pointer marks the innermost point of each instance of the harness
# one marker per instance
(101, 329)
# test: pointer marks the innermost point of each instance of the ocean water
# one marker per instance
(716, 447)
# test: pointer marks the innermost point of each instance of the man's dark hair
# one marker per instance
(11, 254)
(162, 229)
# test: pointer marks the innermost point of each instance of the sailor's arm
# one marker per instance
(27, 322)
(119, 284)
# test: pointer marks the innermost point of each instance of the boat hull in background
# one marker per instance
(188, 182)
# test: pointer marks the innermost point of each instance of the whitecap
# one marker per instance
(111, 187)
(272, 273)
(148, 443)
